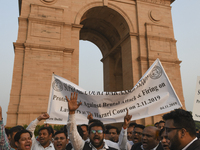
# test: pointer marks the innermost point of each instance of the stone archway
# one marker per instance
(106, 28)
(131, 34)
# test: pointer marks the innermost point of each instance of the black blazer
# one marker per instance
(194, 146)
(137, 146)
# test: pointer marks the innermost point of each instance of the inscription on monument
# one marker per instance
(46, 12)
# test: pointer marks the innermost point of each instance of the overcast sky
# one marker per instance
(186, 21)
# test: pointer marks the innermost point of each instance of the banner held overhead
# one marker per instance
(152, 95)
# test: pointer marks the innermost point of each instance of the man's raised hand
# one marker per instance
(90, 116)
(72, 103)
(127, 120)
(43, 116)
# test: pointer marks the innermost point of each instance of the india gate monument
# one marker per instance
(131, 35)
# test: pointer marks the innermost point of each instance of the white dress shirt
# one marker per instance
(35, 144)
(78, 143)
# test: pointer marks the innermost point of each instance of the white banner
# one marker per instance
(152, 95)
(196, 106)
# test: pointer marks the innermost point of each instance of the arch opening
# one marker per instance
(90, 69)
(107, 29)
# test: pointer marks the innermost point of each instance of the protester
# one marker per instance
(107, 135)
(137, 133)
(4, 142)
(161, 124)
(113, 134)
(80, 132)
(85, 131)
(181, 130)
(96, 130)
(13, 131)
(23, 140)
(150, 140)
(156, 124)
(44, 137)
(60, 140)
(164, 139)
(130, 130)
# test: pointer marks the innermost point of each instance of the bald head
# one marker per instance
(150, 138)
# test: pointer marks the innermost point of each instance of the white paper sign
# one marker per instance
(196, 106)
(152, 95)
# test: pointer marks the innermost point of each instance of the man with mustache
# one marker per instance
(130, 131)
(181, 130)
(23, 140)
(164, 139)
(96, 130)
(60, 140)
(137, 133)
(150, 140)
(44, 137)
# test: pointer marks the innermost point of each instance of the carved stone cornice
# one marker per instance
(142, 58)
(159, 2)
(46, 47)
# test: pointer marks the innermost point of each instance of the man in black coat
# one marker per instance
(150, 140)
(181, 130)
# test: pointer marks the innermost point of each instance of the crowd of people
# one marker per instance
(176, 131)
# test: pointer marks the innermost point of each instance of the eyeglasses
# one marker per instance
(57, 138)
(139, 133)
(97, 131)
(170, 129)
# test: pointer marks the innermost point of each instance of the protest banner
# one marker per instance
(196, 106)
(152, 95)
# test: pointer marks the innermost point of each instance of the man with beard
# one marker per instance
(60, 140)
(23, 140)
(44, 137)
(150, 140)
(164, 139)
(181, 130)
(96, 130)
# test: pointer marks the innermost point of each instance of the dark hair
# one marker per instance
(107, 127)
(93, 120)
(7, 132)
(59, 132)
(113, 127)
(80, 131)
(19, 133)
(97, 123)
(85, 126)
(46, 128)
(133, 124)
(65, 128)
(15, 129)
(182, 119)
(156, 124)
(139, 126)
(161, 121)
